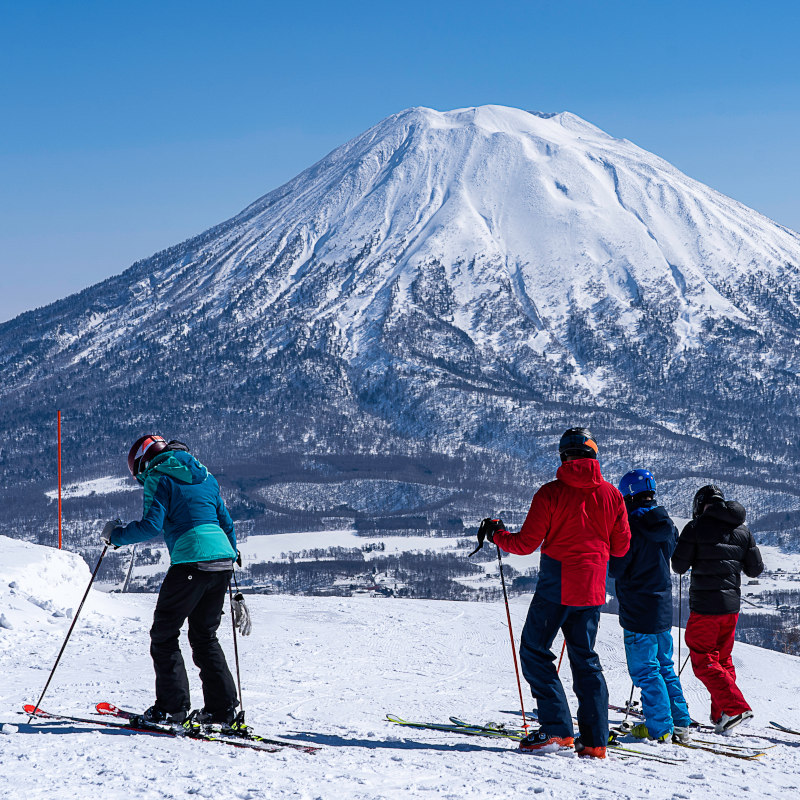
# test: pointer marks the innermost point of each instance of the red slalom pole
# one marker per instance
(59, 480)
(561, 657)
(513, 648)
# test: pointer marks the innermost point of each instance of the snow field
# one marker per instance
(326, 671)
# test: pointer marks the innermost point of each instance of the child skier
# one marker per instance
(644, 591)
(182, 499)
(718, 547)
(578, 519)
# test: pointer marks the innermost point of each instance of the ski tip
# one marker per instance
(32, 710)
(106, 708)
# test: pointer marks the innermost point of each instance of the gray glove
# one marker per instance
(241, 615)
(109, 528)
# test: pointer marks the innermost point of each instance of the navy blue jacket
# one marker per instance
(644, 582)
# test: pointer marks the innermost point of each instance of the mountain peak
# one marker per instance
(487, 249)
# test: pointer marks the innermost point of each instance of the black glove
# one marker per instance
(239, 558)
(109, 528)
(492, 526)
(487, 530)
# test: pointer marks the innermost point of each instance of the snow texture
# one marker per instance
(98, 486)
(326, 671)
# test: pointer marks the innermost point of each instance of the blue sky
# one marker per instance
(128, 127)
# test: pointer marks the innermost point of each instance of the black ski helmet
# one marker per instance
(708, 494)
(577, 442)
(144, 450)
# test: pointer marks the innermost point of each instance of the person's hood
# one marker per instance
(582, 474)
(730, 512)
(181, 466)
(653, 522)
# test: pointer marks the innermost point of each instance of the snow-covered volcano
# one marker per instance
(543, 213)
(464, 283)
(500, 223)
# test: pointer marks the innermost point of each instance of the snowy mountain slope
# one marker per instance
(464, 283)
(548, 209)
(327, 670)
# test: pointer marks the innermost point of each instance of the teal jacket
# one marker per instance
(182, 500)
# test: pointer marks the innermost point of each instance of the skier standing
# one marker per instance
(579, 520)
(718, 547)
(182, 499)
(644, 591)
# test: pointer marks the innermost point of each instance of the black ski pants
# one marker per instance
(188, 592)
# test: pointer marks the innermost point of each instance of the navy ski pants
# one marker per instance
(190, 593)
(579, 626)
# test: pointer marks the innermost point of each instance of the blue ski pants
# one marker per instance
(651, 668)
(579, 626)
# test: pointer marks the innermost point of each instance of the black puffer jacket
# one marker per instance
(718, 546)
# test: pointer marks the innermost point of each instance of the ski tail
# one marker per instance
(32, 711)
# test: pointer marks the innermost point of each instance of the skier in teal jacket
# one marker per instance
(182, 500)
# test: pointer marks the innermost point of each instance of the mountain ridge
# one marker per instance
(464, 283)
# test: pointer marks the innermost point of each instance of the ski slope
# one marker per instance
(326, 671)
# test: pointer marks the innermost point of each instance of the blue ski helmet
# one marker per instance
(637, 481)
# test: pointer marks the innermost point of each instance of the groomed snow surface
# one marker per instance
(326, 671)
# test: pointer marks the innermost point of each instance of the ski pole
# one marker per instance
(680, 616)
(236, 647)
(561, 657)
(69, 633)
(513, 648)
(629, 704)
(684, 664)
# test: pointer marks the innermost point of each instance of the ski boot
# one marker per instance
(588, 752)
(726, 724)
(680, 734)
(640, 732)
(539, 742)
(158, 716)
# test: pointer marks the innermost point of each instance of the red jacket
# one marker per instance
(580, 520)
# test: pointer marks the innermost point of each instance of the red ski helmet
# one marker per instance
(144, 450)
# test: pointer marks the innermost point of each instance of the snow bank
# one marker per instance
(326, 671)
(41, 587)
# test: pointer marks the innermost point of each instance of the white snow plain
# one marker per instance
(326, 671)
(98, 486)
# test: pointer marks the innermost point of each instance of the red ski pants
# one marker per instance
(709, 638)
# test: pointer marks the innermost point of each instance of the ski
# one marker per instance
(467, 730)
(696, 726)
(223, 734)
(632, 710)
(784, 728)
(498, 729)
(501, 732)
(735, 746)
(140, 726)
(734, 751)
(721, 750)
(494, 728)
(634, 753)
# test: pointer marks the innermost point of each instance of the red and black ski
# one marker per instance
(232, 737)
(139, 726)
